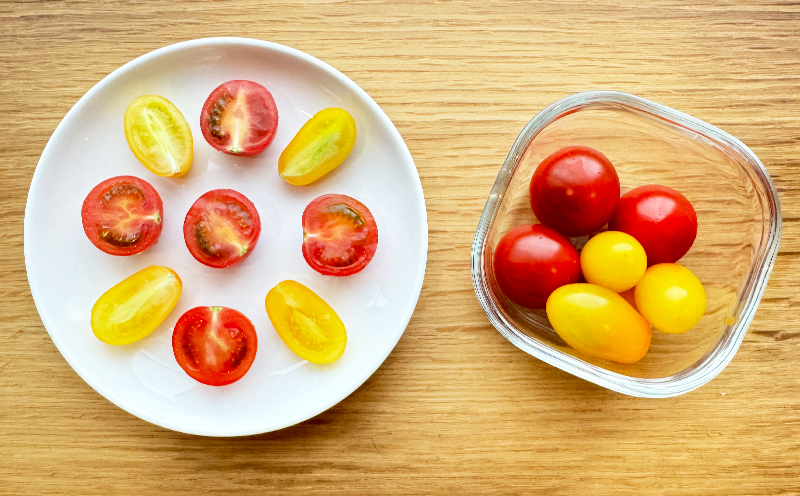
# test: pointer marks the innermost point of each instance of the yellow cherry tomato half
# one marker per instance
(159, 136)
(671, 298)
(598, 322)
(135, 307)
(614, 260)
(305, 323)
(319, 147)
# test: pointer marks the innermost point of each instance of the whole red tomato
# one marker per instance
(660, 218)
(530, 262)
(574, 190)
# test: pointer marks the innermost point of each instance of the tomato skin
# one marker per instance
(660, 218)
(671, 298)
(598, 322)
(574, 190)
(136, 306)
(214, 345)
(614, 260)
(340, 235)
(222, 228)
(321, 145)
(239, 118)
(159, 136)
(530, 262)
(122, 215)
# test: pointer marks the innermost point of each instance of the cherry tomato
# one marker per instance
(660, 218)
(532, 261)
(319, 147)
(614, 260)
(305, 323)
(159, 136)
(221, 228)
(239, 118)
(122, 215)
(671, 298)
(574, 190)
(598, 322)
(339, 235)
(136, 306)
(214, 345)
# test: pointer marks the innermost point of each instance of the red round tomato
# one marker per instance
(122, 215)
(339, 235)
(574, 190)
(221, 228)
(239, 118)
(530, 262)
(214, 345)
(660, 218)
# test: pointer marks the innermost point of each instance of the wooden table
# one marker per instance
(455, 409)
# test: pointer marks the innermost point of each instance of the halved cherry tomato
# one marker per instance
(221, 228)
(305, 323)
(122, 215)
(214, 345)
(339, 235)
(319, 147)
(614, 260)
(136, 306)
(159, 136)
(239, 118)
(671, 298)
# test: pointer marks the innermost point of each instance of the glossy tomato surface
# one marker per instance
(239, 118)
(221, 228)
(671, 298)
(660, 218)
(214, 345)
(158, 135)
(340, 235)
(614, 260)
(122, 215)
(574, 190)
(530, 262)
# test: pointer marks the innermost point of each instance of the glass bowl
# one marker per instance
(739, 225)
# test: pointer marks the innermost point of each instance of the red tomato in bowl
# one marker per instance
(221, 228)
(214, 345)
(122, 215)
(574, 190)
(340, 235)
(660, 218)
(530, 262)
(239, 118)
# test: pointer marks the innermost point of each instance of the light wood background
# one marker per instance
(455, 409)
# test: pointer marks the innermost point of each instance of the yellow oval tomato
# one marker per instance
(598, 322)
(671, 298)
(305, 323)
(614, 260)
(158, 135)
(135, 307)
(319, 147)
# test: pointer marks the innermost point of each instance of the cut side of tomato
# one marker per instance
(159, 136)
(340, 235)
(122, 215)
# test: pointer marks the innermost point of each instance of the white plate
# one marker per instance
(67, 273)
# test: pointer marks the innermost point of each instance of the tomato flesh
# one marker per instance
(159, 136)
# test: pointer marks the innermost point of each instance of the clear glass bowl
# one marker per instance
(739, 225)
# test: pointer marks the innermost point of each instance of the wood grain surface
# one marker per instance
(455, 409)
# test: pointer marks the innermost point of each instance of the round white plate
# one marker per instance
(67, 273)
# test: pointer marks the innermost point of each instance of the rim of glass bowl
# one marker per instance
(712, 363)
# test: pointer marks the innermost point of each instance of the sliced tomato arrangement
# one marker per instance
(340, 235)
(221, 228)
(122, 215)
(159, 136)
(239, 118)
(214, 345)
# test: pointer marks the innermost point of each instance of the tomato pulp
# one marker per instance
(159, 136)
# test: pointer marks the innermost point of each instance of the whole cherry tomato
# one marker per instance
(614, 260)
(671, 298)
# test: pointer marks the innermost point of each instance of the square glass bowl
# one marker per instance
(739, 225)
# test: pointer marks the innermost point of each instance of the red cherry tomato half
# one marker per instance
(122, 215)
(660, 218)
(574, 190)
(214, 345)
(221, 228)
(239, 118)
(530, 262)
(339, 235)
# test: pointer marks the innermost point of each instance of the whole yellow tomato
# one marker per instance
(671, 298)
(614, 260)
